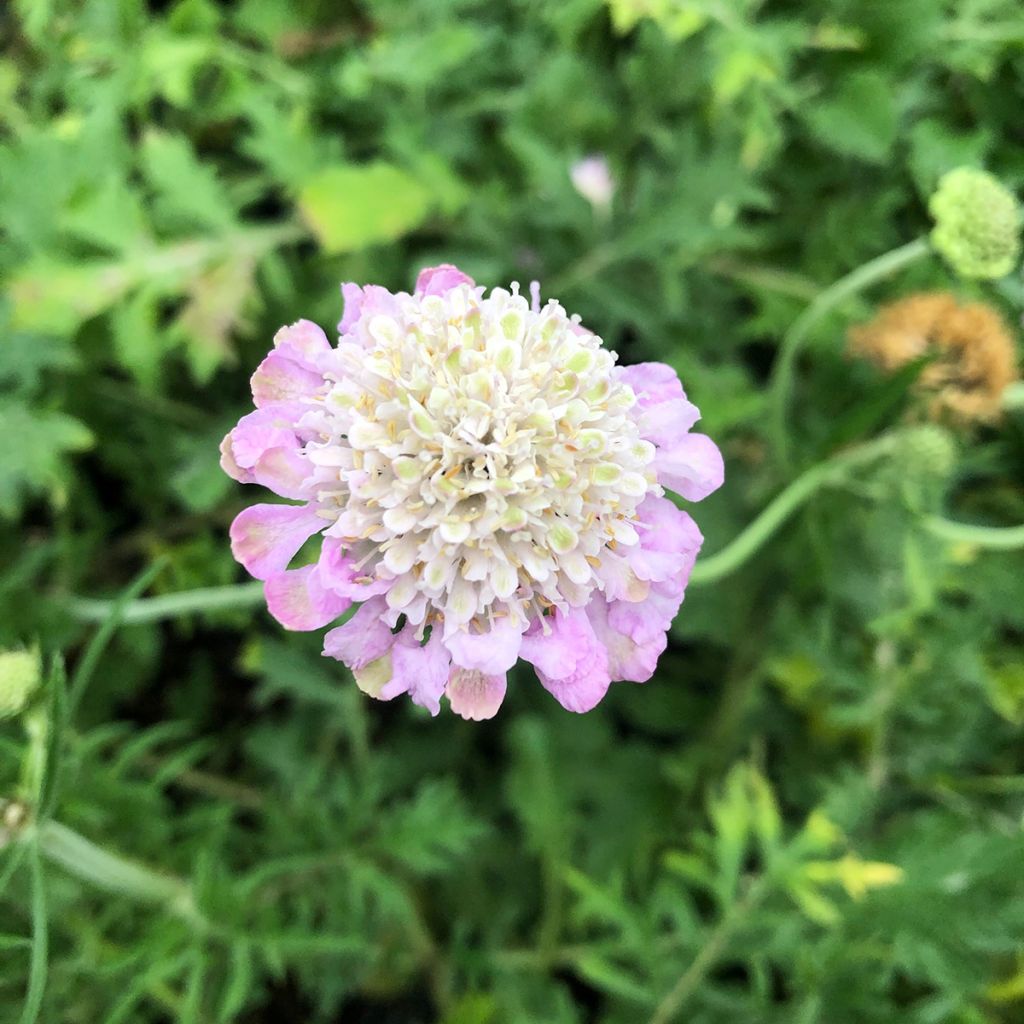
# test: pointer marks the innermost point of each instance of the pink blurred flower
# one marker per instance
(486, 484)
(592, 178)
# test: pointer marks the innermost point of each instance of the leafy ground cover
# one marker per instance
(811, 814)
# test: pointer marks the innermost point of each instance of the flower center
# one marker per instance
(478, 452)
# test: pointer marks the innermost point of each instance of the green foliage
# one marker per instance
(812, 813)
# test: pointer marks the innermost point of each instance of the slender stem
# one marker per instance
(734, 554)
(98, 644)
(708, 955)
(91, 863)
(781, 384)
(998, 538)
(169, 606)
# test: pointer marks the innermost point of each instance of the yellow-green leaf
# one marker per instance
(349, 208)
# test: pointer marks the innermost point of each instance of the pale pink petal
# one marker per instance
(263, 450)
(363, 303)
(578, 678)
(438, 280)
(422, 671)
(627, 659)
(667, 423)
(285, 472)
(556, 652)
(265, 538)
(230, 465)
(339, 573)
(364, 638)
(474, 695)
(352, 297)
(298, 600)
(492, 653)
(304, 342)
(643, 620)
(280, 379)
(669, 542)
(692, 468)
(257, 433)
(651, 382)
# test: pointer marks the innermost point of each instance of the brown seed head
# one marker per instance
(973, 357)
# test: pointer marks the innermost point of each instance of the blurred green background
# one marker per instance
(813, 813)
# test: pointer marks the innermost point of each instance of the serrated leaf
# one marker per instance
(25, 357)
(33, 446)
(188, 191)
(350, 208)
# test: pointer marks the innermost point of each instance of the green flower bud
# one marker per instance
(20, 673)
(928, 452)
(977, 224)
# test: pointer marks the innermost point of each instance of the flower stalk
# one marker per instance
(781, 384)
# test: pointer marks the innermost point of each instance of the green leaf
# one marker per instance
(189, 193)
(33, 446)
(861, 120)
(26, 357)
(351, 207)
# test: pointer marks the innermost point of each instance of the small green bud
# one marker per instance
(928, 451)
(977, 224)
(20, 673)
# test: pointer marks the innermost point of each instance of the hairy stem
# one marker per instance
(93, 864)
(734, 554)
(781, 384)
(170, 606)
(998, 538)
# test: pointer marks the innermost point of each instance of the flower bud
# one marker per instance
(977, 224)
(20, 672)
(928, 451)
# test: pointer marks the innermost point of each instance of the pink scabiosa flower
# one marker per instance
(487, 485)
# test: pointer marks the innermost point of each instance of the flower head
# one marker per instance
(973, 358)
(488, 484)
(977, 224)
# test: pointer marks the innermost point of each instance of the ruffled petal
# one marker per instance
(571, 661)
(265, 538)
(339, 573)
(280, 379)
(298, 600)
(628, 659)
(364, 638)
(422, 671)
(304, 342)
(692, 468)
(667, 423)
(474, 695)
(262, 450)
(257, 433)
(556, 652)
(669, 541)
(361, 303)
(492, 653)
(651, 382)
(438, 280)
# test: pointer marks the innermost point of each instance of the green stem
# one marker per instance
(708, 955)
(91, 863)
(998, 538)
(734, 554)
(169, 606)
(781, 384)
